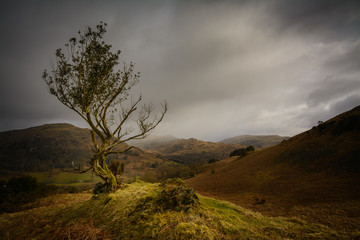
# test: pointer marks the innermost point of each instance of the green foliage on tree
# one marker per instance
(87, 79)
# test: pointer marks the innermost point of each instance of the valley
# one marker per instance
(312, 177)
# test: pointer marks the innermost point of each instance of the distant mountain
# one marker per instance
(62, 146)
(259, 141)
(187, 151)
(153, 141)
(306, 175)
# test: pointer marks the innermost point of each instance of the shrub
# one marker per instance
(212, 160)
(99, 188)
(173, 195)
(18, 191)
(117, 168)
(250, 149)
(242, 151)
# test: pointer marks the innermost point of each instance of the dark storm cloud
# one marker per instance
(332, 88)
(32, 31)
(225, 67)
(329, 20)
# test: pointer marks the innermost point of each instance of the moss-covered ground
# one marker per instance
(151, 211)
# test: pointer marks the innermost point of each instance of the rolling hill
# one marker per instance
(314, 175)
(259, 141)
(187, 151)
(153, 141)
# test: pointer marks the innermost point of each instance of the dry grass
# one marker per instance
(40, 219)
(82, 228)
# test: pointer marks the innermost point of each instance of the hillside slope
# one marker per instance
(318, 170)
(151, 211)
(259, 141)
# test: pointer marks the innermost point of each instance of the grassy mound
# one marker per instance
(150, 211)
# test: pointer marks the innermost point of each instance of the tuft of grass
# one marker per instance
(135, 213)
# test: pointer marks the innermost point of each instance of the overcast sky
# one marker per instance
(226, 68)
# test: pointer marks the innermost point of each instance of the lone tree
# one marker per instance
(88, 80)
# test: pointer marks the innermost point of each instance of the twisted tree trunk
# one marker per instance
(100, 168)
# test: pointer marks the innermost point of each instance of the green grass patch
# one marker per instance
(139, 211)
(70, 177)
(65, 178)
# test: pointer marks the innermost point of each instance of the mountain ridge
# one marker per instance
(190, 151)
(259, 141)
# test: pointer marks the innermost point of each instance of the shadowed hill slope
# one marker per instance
(62, 146)
(317, 168)
(39, 148)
